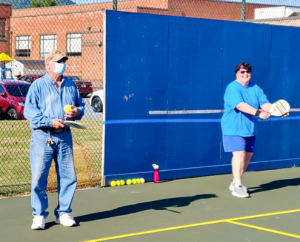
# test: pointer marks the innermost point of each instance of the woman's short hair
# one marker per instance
(244, 66)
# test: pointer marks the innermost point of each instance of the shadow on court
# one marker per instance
(275, 185)
(164, 204)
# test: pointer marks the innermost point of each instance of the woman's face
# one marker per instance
(243, 75)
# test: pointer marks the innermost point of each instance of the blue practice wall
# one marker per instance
(156, 62)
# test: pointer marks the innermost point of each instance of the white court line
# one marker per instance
(199, 111)
(186, 111)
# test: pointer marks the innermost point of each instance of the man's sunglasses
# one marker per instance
(243, 72)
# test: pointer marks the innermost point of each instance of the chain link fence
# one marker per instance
(29, 29)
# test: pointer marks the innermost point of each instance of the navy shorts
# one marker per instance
(233, 143)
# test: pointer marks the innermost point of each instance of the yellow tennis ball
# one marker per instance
(142, 180)
(122, 182)
(67, 108)
(113, 184)
(128, 182)
(118, 183)
(138, 181)
(133, 181)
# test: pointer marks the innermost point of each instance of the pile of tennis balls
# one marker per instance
(128, 182)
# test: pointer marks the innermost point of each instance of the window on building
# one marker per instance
(2, 28)
(48, 43)
(23, 46)
(74, 44)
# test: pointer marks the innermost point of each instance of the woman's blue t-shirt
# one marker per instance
(235, 122)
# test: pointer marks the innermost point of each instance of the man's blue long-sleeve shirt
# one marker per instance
(44, 102)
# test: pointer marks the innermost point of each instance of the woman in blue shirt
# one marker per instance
(242, 101)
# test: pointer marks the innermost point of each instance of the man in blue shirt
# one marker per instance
(51, 139)
(242, 101)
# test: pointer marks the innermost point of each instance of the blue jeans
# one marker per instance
(41, 157)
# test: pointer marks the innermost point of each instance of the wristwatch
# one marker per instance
(257, 112)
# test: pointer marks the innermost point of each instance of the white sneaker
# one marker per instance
(238, 191)
(231, 187)
(38, 222)
(65, 220)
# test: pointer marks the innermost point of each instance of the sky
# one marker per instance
(294, 3)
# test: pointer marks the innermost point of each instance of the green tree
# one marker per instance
(36, 4)
(43, 3)
(49, 3)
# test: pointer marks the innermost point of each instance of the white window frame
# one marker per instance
(23, 46)
(47, 43)
(74, 44)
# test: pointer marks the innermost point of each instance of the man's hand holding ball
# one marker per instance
(71, 111)
(67, 108)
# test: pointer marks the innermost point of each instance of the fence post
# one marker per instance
(243, 10)
(115, 3)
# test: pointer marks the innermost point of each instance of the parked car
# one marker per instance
(12, 98)
(29, 78)
(85, 88)
(96, 101)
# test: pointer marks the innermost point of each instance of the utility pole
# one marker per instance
(115, 3)
(243, 10)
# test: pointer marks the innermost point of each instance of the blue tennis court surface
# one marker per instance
(193, 209)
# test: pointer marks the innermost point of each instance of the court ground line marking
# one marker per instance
(158, 230)
(265, 215)
(193, 225)
(264, 229)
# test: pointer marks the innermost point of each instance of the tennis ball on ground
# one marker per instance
(113, 183)
(142, 180)
(122, 182)
(133, 181)
(128, 182)
(67, 108)
(118, 183)
(138, 181)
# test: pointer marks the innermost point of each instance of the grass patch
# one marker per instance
(15, 173)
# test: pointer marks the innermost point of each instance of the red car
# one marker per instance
(12, 99)
(85, 88)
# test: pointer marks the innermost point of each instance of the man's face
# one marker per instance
(50, 65)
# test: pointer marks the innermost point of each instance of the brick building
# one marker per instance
(5, 16)
(77, 30)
